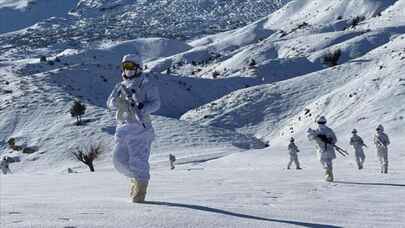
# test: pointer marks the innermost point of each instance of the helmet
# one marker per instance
(133, 58)
(321, 120)
(292, 139)
(354, 131)
(131, 65)
(380, 128)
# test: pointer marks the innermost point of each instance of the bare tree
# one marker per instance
(89, 155)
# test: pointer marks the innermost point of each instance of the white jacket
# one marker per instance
(142, 90)
(293, 149)
(381, 141)
(358, 143)
(134, 134)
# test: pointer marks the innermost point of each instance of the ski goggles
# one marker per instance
(130, 66)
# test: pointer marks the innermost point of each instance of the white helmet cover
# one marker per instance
(132, 58)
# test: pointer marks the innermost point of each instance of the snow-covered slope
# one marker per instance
(369, 57)
(322, 13)
(242, 190)
(223, 95)
(291, 60)
(364, 92)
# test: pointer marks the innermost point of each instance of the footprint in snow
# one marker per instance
(18, 221)
(92, 213)
(64, 219)
(192, 169)
(14, 213)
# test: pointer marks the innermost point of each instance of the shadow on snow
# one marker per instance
(239, 215)
(375, 184)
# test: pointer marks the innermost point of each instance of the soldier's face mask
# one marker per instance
(130, 73)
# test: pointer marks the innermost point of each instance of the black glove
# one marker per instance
(140, 106)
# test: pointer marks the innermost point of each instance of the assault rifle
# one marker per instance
(327, 141)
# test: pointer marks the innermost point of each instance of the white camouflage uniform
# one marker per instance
(134, 134)
(293, 150)
(326, 151)
(358, 144)
(382, 141)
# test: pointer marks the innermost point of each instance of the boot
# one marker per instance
(329, 175)
(137, 191)
(386, 168)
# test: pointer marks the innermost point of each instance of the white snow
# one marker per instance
(243, 190)
(218, 128)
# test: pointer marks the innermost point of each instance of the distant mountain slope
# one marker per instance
(90, 21)
(19, 14)
(369, 74)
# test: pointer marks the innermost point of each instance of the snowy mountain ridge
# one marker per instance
(82, 23)
(239, 90)
(230, 102)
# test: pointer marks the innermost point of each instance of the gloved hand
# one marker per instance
(140, 106)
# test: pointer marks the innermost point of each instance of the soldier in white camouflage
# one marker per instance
(325, 139)
(357, 142)
(382, 141)
(134, 99)
(293, 150)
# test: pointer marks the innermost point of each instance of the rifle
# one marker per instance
(325, 140)
(341, 151)
(380, 143)
(131, 104)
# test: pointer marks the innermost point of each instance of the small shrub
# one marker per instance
(331, 58)
(252, 63)
(215, 74)
(11, 143)
(303, 25)
(77, 110)
(42, 59)
(356, 21)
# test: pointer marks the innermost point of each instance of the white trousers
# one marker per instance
(132, 151)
